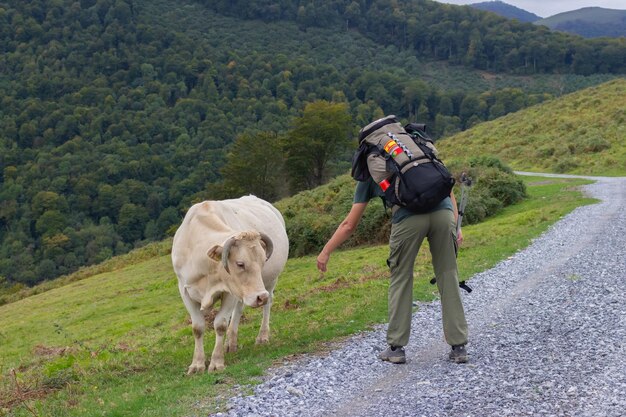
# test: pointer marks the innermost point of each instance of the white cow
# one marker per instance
(233, 251)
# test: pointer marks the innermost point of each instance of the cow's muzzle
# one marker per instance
(260, 299)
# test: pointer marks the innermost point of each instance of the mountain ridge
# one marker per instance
(589, 22)
(507, 10)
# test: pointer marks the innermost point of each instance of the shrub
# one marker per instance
(494, 187)
(592, 144)
(488, 161)
(564, 164)
(312, 216)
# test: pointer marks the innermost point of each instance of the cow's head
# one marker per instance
(243, 257)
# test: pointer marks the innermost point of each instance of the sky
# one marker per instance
(547, 8)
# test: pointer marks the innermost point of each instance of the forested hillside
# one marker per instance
(116, 114)
(459, 34)
(506, 10)
(589, 22)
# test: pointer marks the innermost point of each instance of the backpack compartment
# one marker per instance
(360, 170)
(421, 186)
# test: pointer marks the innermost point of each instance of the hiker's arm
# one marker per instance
(343, 232)
(459, 238)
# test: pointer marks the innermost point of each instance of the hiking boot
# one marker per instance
(393, 354)
(458, 354)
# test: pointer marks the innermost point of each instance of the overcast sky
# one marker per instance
(547, 8)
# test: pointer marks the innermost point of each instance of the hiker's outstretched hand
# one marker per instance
(322, 261)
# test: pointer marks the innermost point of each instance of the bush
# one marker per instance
(592, 144)
(312, 216)
(564, 164)
(494, 187)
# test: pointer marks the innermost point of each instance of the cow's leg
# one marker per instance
(197, 327)
(220, 324)
(264, 331)
(233, 328)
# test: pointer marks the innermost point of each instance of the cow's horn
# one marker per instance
(225, 252)
(269, 246)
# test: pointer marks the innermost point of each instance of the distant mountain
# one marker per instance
(506, 10)
(589, 22)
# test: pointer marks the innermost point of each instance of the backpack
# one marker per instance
(403, 162)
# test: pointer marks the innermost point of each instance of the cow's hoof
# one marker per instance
(216, 367)
(231, 348)
(194, 369)
(262, 340)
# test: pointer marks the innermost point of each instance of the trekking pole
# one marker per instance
(466, 183)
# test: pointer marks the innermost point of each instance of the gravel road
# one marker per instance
(547, 338)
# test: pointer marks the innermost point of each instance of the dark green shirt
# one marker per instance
(366, 190)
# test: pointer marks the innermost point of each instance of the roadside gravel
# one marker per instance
(547, 338)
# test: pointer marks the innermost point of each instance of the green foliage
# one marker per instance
(254, 165)
(312, 216)
(507, 10)
(460, 35)
(494, 186)
(320, 136)
(116, 115)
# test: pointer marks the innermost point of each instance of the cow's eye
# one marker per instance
(241, 264)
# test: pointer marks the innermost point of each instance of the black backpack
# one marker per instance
(403, 162)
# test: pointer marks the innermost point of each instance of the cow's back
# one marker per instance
(212, 222)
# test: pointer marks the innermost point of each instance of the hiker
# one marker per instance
(408, 231)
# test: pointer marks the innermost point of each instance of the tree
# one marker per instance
(254, 166)
(47, 200)
(470, 106)
(50, 223)
(132, 221)
(414, 93)
(446, 107)
(318, 137)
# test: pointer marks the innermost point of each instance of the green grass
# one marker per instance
(581, 133)
(118, 343)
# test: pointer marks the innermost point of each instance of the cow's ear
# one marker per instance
(215, 253)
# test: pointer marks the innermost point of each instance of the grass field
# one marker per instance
(118, 343)
(581, 133)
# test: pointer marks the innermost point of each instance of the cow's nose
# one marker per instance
(262, 298)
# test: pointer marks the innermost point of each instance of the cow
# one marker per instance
(232, 251)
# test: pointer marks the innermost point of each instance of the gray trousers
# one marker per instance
(405, 241)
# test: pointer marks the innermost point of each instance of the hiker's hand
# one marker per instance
(459, 238)
(322, 260)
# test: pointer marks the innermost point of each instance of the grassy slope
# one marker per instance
(118, 343)
(581, 133)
